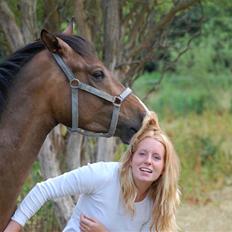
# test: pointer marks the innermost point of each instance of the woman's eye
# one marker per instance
(98, 75)
(141, 153)
(156, 157)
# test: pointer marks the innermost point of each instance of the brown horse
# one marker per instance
(35, 96)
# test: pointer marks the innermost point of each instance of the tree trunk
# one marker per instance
(105, 149)
(81, 19)
(51, 21)
(28, 14)
(50, 168)
(73, 152)
(111, 32)
(106, 146)
(9, 27)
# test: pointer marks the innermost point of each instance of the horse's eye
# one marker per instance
(98, 75)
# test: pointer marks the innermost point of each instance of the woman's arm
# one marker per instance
(52, 188)
(74, 182)
(13, 227)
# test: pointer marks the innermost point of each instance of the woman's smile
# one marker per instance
(147, 170)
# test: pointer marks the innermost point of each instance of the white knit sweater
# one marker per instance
(100, 198)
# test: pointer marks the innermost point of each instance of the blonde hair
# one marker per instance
(164, 191)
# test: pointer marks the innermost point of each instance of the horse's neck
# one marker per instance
(22, 134)
(25, 121)
(23, 127)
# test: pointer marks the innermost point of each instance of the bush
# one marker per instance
(204, 147)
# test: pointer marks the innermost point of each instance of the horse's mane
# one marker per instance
(12, 65)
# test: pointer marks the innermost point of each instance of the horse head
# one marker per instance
(94, 111)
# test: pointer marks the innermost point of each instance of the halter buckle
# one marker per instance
(74, 83)
(117, 101)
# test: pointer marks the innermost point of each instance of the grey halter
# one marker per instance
(76, 84)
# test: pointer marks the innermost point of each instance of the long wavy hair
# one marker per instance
(164, 191)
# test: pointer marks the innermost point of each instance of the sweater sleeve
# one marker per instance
(84, 180)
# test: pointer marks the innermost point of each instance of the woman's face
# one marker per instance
(147, 162)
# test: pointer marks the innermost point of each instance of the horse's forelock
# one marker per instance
(79, 45)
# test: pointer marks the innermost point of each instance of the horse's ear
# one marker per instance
(50, 41)
(69, 29)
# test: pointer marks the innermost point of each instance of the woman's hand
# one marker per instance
(88, 224)
(13, 227)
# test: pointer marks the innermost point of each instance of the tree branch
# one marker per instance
(168, 66)
(28, 9)
(111, 32)
(165, 21)
(81, 19)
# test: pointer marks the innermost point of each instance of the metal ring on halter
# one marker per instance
(74, 83)
(117, 101)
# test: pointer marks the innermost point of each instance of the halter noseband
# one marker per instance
(76, 84)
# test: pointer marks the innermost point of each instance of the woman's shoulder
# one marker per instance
(105, 167)
(103, 173)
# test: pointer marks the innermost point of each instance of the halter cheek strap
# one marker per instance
(75, 85)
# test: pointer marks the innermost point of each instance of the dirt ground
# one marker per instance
(215, 216)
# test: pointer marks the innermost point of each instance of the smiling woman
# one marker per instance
(143, 187)
(150, 168)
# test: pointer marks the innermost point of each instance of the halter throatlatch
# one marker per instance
(75, 85)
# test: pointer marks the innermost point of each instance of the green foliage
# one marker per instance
(180, 95)
(203, 144)
(194, 104)
(208, 149)
(211, 51)
(202, 77)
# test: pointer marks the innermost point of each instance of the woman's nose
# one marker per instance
(148, 159)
